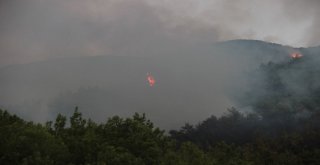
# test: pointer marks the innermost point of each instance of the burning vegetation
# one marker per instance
(296, 55)
(150, 79)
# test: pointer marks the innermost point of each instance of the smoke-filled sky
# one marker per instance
(33, 30)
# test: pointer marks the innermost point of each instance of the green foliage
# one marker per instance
(27, 143)
(232, 139)
(59, 124)
(187, 154)
(137, 135)
(117, 155)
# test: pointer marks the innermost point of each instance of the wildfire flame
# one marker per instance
(295, 55)
(150, 79)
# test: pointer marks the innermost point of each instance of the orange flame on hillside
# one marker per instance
(150, 79)
(296, 55)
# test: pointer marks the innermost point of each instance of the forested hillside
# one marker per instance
(281, 126)
(190, 87)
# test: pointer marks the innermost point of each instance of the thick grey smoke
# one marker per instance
(305, 11)
(189, 87)
(33, 30)
(176, 40)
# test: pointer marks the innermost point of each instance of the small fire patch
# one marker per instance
(296, 55)
(150, 80)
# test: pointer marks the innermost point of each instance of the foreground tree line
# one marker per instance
(234, 138)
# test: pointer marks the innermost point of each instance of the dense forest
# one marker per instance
(231, 139)
(282, 127)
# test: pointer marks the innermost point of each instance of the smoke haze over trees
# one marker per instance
(188, 87)
(34, 30)
(232, 82)
(96, 54)
(282, 128)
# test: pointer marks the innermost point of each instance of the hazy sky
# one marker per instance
(33, 30)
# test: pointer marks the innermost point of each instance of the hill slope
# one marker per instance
(188, 88)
